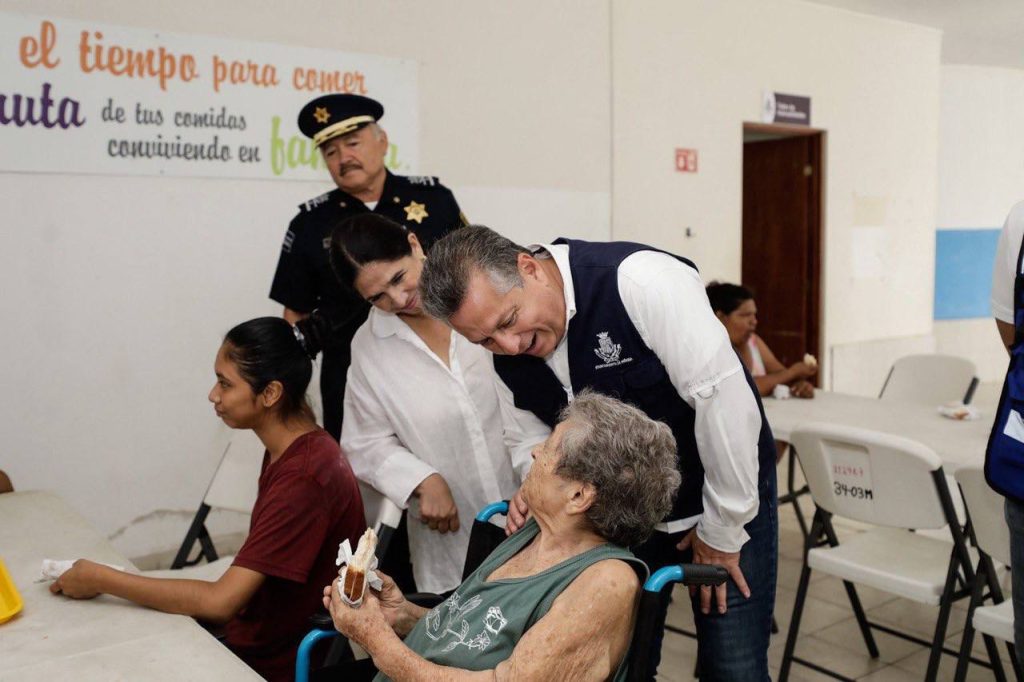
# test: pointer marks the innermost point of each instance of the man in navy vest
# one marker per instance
(1004, 458)
(633, 322)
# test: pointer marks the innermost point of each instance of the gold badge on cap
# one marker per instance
(322, 115)
(415, 211)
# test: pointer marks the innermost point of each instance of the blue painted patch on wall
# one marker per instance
(963, 273)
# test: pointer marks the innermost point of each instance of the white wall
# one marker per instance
(981, 175)
(689, 73)
(117, 290)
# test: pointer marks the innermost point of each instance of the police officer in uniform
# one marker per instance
(344, 128)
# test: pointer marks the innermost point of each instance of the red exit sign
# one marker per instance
(686, 160)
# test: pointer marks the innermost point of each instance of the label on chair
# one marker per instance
(851, 477)
(1014, 426)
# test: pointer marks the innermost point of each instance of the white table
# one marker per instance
(957, 442)
(56, 638)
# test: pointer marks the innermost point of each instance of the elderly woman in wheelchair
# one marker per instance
(556, 600)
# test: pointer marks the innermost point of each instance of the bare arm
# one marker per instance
(1006, 333)
(583, 637)
(216, 602)
(776, 372)
(585, 634)
(293, 316)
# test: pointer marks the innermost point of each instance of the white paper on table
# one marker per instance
(961, 412)
(54, 568)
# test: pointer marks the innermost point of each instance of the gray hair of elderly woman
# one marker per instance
(629, 458)
(455, 258)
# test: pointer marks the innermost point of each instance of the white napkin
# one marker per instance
(344, 556)
(54, 568)
(959, 411)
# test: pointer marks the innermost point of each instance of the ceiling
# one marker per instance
(989, 32)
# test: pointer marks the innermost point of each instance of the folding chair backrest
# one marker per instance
(871, 477)
(986, 509)
(234, 486)
(235, 483)
(382, 515)
(930, 380)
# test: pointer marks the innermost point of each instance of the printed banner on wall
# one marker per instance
(88, 97)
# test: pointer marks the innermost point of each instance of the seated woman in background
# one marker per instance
(734, 306)
(307, 503)
(557, 599)
(422, 419)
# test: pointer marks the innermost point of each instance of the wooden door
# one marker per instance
(782, 241)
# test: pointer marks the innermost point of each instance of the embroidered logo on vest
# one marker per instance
(609, 351)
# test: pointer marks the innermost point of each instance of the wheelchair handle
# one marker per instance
(688, 574)
(490, 510)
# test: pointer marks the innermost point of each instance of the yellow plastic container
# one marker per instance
(10, 600)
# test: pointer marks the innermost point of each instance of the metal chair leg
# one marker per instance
(862, 619)
(967, 638)
(945, 606)
(794, 623)
(851, 594)
(993, 656)
(793, 495)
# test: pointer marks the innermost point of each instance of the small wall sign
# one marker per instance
(779, 107)
(686, 160)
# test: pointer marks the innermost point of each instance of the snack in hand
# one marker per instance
(357, 568)
(810, 360)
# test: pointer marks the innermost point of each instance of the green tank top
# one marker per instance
(479, 625)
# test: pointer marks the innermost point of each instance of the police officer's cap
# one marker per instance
(331, 116)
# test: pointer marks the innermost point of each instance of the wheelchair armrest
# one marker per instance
(306, 647)
(493, 508)
(321, 620)
(687, 574)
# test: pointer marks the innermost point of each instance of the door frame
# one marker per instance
(816, 222)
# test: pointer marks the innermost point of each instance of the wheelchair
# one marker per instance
(484, 538)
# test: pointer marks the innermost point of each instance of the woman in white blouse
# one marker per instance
(422, 419)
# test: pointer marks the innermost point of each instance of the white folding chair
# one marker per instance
(930, 380)
(233, 487)
(895, 484)
(992, 537)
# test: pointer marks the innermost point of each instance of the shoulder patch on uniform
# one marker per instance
(426, 180)
(314, 202)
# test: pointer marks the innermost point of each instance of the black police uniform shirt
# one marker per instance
(304, 280)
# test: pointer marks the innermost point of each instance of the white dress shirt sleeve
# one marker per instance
(523, 430)
(667, 303)
(1004, 271)
(368, 440)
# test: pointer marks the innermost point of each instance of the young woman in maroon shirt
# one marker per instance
(308, 502)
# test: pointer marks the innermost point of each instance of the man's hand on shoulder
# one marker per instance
(518, 513)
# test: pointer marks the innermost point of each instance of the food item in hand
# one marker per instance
(355, 572)
(810, 360)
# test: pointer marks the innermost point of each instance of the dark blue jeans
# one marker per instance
(733, 646)
(1015, 520)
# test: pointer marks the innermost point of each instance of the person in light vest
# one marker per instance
(633, 322)
(1004, 458)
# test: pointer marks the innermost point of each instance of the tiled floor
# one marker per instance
(829, 635)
